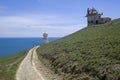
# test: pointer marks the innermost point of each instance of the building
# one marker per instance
(45, 38)
(94, 18)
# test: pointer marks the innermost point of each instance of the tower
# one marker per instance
(93, 17)
(45, 38)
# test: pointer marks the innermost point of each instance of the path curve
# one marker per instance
(26, 70)
(32, 69)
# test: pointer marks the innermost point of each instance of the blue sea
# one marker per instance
(10, 46)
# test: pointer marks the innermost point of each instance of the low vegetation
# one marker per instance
(9, 65)
(92, 53)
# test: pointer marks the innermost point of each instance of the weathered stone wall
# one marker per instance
(93, 17)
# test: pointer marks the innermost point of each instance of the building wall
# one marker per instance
(45, 40)
(93, 17)
(105, 20)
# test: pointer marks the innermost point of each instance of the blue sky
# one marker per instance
(31, 18)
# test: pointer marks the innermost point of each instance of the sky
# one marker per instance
(59, 18)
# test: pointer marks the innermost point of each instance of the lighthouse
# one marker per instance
(45, 38)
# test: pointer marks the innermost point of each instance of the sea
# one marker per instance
(10, 46)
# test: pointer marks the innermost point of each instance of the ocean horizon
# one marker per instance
(9, 46)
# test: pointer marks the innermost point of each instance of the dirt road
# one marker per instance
(32, 69)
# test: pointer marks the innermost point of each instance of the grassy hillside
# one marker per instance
(9, 65)
(92, 53)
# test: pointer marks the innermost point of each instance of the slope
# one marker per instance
(9, 65)
(92, 53)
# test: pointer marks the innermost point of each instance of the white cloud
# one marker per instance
(35, 25)
(11, 21)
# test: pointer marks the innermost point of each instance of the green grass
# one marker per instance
(92, 53)
(9, 65)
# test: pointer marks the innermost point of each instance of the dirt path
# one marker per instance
(32, 69)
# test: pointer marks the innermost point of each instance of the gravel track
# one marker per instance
(32, 69)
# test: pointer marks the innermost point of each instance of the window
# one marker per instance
(91, 21)
(88, 21)
(96, 21)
